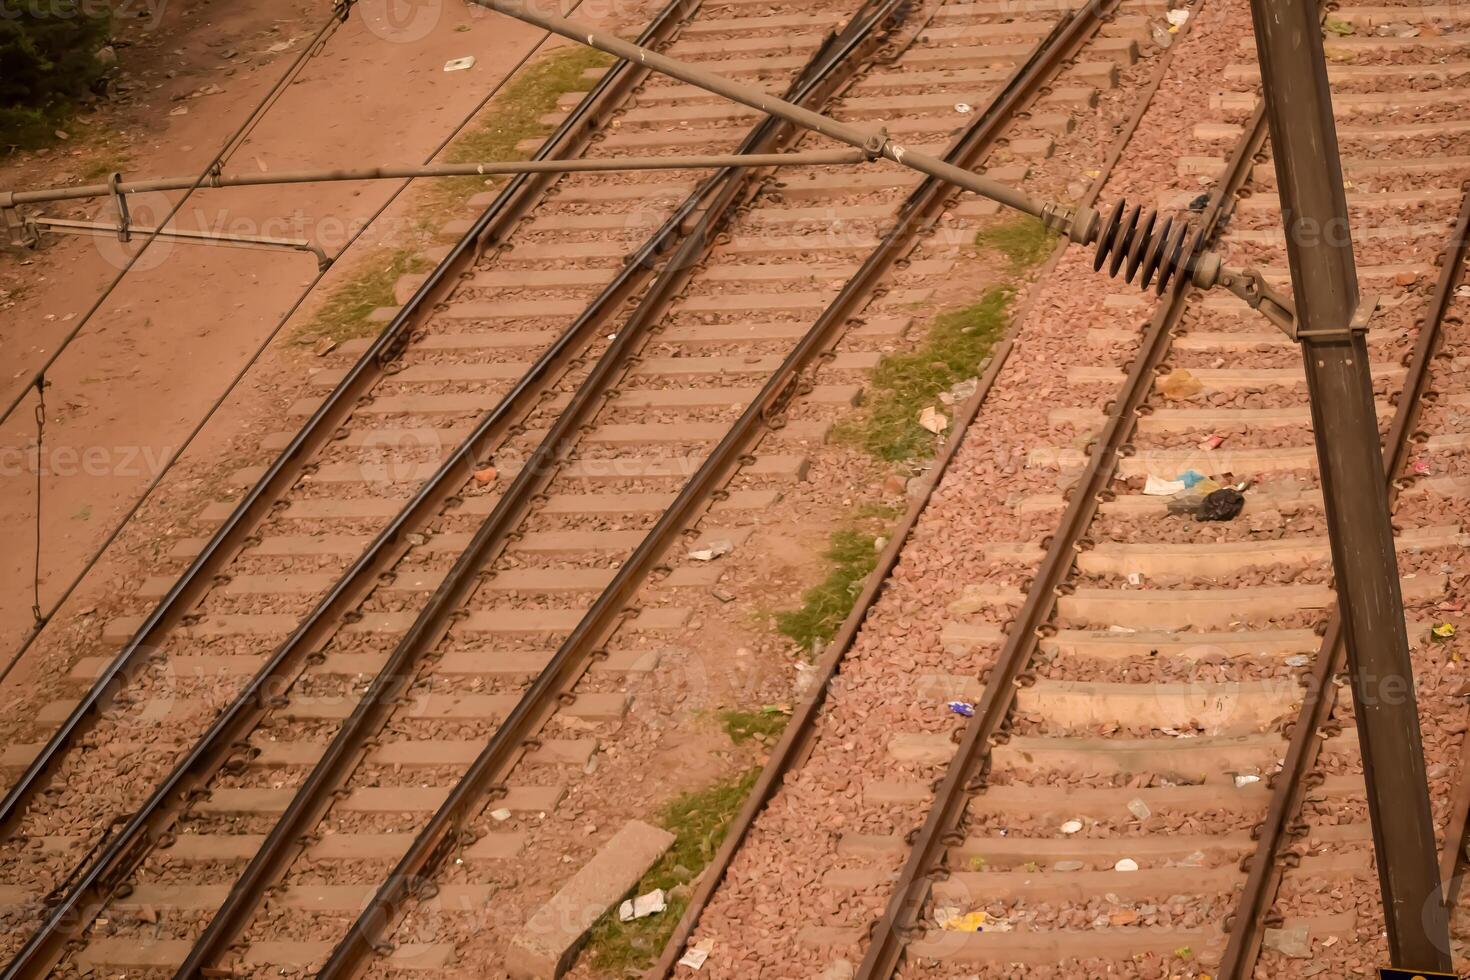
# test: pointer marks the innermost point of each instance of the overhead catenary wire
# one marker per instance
(43, 618)
(338, 17)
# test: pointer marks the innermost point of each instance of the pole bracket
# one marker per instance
(1252, 287)
(124, 218)
(20, 231)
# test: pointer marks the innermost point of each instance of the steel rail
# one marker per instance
(1289, 784)
(798, 737)
(86, 887)
(414, 171)
(445, 831)
(491, 229)
(965, 774)
(829, 68)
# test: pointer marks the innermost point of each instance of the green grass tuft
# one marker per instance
(825, 606)
(344, 315)
(1024, 241)
(512, 116)
(763, 725)
(698, 821)
(905, 384)
(515, 115)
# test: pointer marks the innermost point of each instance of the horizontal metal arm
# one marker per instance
(814, 158)
(1080, 227)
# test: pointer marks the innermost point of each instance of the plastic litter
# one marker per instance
(1222, 505)
(460, 64)
(1139, 809)
(1191, 478)
(1179, 384)
(695, 955)
(963, 108)
(486, 475)
(931, 420)
(1421, 467)
(964, 708)
(1126, 864)
(1246, 779)
(712, 550)
(967, 922)
(1443, 631)
(1157, 487)
(643, 906)
(1177, 18)
(1298, 660)
(1211, 443)
(501, 814)
(1071, 827)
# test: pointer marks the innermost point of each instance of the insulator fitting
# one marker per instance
(1143, 246)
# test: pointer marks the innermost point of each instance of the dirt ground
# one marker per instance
(167, 343)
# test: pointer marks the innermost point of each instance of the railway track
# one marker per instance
(305, 739)
(1137, 679)
(1125, 753)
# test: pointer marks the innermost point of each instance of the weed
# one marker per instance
(1024, 241)
(763, 725)
(905, 384)
(514, 116)
(345, 313)
(698, 822)
(825, 606)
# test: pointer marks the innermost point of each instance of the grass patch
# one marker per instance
(512, 116)
(515, 115)
(1024, 241)
(762, 725)
(698, 821)
(824, 607)
(108, 163)
(905, 384)
(344, 315)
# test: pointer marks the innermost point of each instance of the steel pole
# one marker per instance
(1324, 279)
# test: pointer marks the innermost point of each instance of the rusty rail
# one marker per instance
(965, 775)
(918, 214)
(75, 902)
(1289, 785)
(717, 199)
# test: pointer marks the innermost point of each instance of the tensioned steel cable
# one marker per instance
(339, 16)
(42, 619)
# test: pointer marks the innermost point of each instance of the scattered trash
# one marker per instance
(1443, 631)
(485, 476)
(1189, 501)
(1194, 859)
(1179, 384)
(1246, 779)
(1158, 487)
(1212, 443)
(963, 108)
(1139, 809)
(642, 906)
(460, 64)
(1071, 826)
(968, 922)
(182, 110)
(1192, 478)
(323, 346)
(1339, 27)
(1126, 864)
(712, 550)
(724, 595)
(931, 419)
(1135, 578)
(963, 708)
(501, 814)
(1298, 660)
(695, 955)
(1199, 203)
(1293, 942)
(1177, 18)
(1420, 467)
(962, 391)
(1222, 505)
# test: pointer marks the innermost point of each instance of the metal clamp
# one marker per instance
(124, 218)
(1252, 287)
